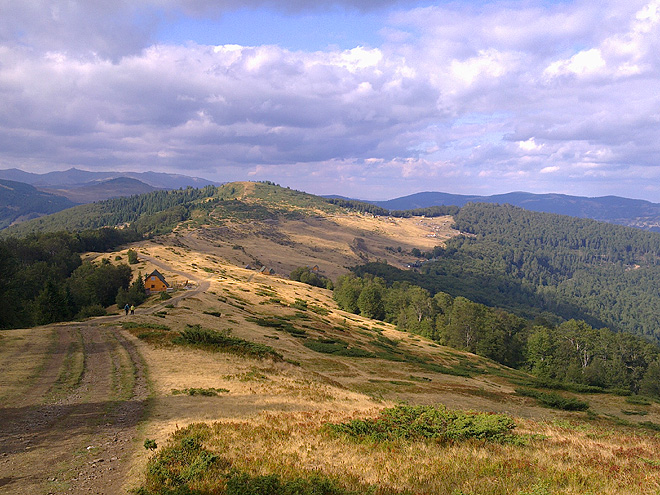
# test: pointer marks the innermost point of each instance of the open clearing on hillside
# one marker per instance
(333, 242)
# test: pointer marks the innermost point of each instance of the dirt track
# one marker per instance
(72, 437)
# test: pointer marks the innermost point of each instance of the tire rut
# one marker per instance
(77, 442)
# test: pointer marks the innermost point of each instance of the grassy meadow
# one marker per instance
(250, 375)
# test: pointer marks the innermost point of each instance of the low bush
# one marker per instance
(427, 423)
(337, 348)
(244, 484)
(554, 400)
(197, 336)
(131, 325)
(217, 314)
(279, 323)
(205, 392)
(186, 467)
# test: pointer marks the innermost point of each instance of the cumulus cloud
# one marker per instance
(456, 98)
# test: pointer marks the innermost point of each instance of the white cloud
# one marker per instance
(466, 97)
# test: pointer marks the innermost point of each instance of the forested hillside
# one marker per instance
(150, 213)
(19, 201)
(572, 352)
(43, 278)
(623, 211)
(533, 263)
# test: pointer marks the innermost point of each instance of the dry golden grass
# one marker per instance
(560, 457)
(269, 420)
(333, 242)
(22, 355)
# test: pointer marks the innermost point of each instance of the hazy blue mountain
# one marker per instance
(98, 191)
(613, 209)
(20, 201)
(79, 178)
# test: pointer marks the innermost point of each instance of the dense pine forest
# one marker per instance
(154, 213)
(537, 263)
(43, 278)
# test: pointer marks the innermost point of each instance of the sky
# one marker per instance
(371, 99)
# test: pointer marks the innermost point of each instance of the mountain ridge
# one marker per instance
(74, 177)
(104, 189)
(613, 209)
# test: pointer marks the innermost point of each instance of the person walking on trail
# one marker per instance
(132, 309)
(126, 308)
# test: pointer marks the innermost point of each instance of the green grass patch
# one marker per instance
(278, 323)
(319, 310)
(132, 325)
(435, 423)
(638, 400)
(71, 372)
(578, 388)
(634, 412)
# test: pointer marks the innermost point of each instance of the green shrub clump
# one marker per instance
(222, 341)
(554, 400)
(186, 467)
(435, 423)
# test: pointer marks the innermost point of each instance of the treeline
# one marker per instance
(570, 352)
(360, 206)
(533, 263)
(429, 211)
(364, 207)
(43, 278)
(307, 276)
(151, 213)
(609, 272)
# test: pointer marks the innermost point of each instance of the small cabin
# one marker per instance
(155, 282)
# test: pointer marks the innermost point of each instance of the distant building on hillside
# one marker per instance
(155, 282)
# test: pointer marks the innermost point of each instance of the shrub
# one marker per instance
(337, 347)
(91, 310)
(132, 257)
(206, 392)
(554, 400)
(184, 464)
(244, 484)
(427, 423)
(217, 314)
(222, 341)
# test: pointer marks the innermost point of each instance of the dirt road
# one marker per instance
(75, 424)
(71, 426)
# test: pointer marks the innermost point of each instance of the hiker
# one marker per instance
(126, 309)
(132, 309)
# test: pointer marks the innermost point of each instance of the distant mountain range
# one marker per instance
(74, 178)
(98, 191)
(613, 209)
(24, 195)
